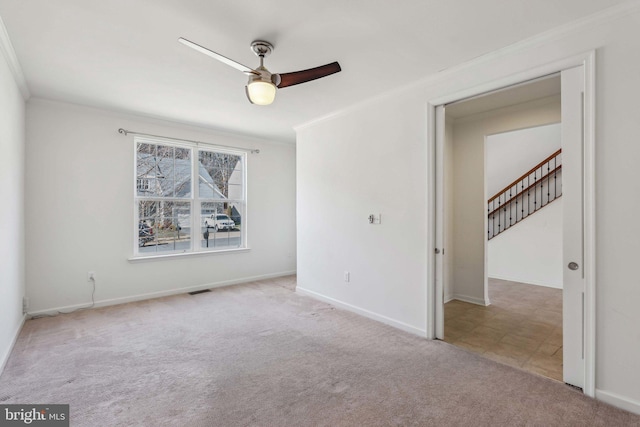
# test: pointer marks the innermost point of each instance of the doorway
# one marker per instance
(498, 300)
(578, 268)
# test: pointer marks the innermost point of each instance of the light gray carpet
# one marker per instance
(259, 354)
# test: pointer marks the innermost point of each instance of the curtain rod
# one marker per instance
(127, 132)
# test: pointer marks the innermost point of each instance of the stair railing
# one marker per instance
(531, 192)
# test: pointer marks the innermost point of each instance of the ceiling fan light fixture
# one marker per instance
(261, 92)
(262, 85)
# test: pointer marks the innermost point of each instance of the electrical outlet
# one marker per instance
(347, 276)
(91, 276)
(25, 305)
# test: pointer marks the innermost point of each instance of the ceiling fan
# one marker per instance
(262, 85)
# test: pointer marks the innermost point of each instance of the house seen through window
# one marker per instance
(188, 198)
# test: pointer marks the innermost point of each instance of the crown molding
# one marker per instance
(611, 13)
(12, 60)
(548, 36)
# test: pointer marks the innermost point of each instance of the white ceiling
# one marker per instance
(124, 55)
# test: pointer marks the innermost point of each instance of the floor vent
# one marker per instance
(575, 387)
(199, 292)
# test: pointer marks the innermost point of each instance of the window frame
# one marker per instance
(194, 200)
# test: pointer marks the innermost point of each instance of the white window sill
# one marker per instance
(143, 258)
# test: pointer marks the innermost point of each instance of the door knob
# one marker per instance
(573, 265)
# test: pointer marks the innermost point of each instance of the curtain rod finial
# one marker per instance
(122, 131)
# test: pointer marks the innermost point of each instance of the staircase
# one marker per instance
(526, 195)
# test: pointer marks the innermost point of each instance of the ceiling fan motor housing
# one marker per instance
(261, 88)
(262, 75)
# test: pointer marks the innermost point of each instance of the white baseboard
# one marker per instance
(362, 312)
(525, 281)
(618, 401)
(5, 356)
(151, 295)
(471, 300)
(448, 298)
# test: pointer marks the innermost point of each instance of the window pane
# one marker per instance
(221, 169)
(221, 225)
(235, 191)
(182, 173)
(164, 227)
(149, 149)
(163, 171)
(208, 189)
(146, 170)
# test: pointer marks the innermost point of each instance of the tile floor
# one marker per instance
(522, 326)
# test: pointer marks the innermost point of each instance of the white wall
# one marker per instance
(79, 211)
(343, 161)
(511, 154)
(348, 168)
(12, 131)
(470, 254)
(530, 252)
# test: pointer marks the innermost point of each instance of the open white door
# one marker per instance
(439, 223)
(578, 100)
(573, 296)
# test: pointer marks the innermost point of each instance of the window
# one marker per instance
(143, 184)
(188, 198)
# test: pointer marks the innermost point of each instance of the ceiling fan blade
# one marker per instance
(215, 55)
(297, 77)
